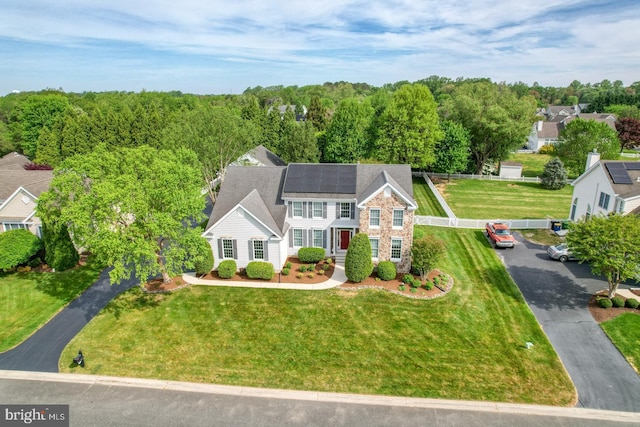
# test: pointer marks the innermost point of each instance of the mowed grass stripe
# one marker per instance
(462, 346)
(428, 205)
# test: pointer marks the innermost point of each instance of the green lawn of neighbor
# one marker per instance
(483, 199)
(470, 344)
(30, 299)
(624, 332)
(532, 163)
(427, 203)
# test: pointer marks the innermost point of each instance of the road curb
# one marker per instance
(410, 402)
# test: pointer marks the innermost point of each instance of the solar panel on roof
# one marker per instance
(319, 178)
(632, 166)
(618, 173)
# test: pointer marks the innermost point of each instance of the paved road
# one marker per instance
(104, 401)
(42, 350)
(558, 294)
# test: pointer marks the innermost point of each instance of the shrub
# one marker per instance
(311, 275)
(227, 269)
(288, 265)
(325, 267)
(203, 262)
(605, 302)
(617, 301)
(631, 303)
(329, 260)
(407, 279)
(418, 233)
(401, 288)
(302, 268)
(358, 265)
(428, 285)
(321, 272)
(260, 270)
(299, 275)
(425, 254)
(286, 271)
(59, 251)
(547, 149)
(386, 270)
(414, 290)
(416, 283)
(18, 247)
(554, 177)
(311, 254)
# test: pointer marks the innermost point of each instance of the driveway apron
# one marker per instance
(558, 294)
(42, 350)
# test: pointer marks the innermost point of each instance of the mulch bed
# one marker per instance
(603, 314)
(393, 286)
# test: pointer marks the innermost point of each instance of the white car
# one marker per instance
(560, 252)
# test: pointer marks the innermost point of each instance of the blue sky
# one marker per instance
(212, 47)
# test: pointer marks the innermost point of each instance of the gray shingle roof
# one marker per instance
(266, 157)
(35, 181)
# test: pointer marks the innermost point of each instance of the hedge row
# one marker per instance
(313, 255)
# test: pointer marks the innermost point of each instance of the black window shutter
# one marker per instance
(337, 210)
(310, 210)
(250, 250)
(324, 239)
(265, 246)
(234, 245)
(324, 210)
(220, 251)
(304, 209)
(353, 210)
(290, 209)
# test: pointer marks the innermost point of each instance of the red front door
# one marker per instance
(345, 235)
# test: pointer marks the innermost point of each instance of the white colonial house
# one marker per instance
(606, 186)
(268, 213)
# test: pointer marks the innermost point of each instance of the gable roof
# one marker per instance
(266, 157)
(262, 191)
(623, 176)
(34, 181)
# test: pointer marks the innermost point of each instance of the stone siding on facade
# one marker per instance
(387, 203)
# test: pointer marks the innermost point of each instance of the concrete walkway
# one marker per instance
(337, 278)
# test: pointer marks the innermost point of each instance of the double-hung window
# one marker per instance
(398, 218)
(297, 237)
(374, 217)
(318, 238)
(396, 249)
(258, 249)
(228, 249)
(317, 209)
(345, 210)
(604, 200)
(13, 226)
(297, 209)
(375, 244)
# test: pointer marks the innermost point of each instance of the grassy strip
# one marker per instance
(624, 332)
(532, 164)
(427, 202)
(30, 299)
(481, 199)
(467, 345)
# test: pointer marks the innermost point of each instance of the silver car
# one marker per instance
(560, 252)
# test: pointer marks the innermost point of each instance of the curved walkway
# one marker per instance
(337, 278)
(41, 351)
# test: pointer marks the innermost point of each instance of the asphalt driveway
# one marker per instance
(557, 294)
(42, 350)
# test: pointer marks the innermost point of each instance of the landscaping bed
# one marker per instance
(603, 314)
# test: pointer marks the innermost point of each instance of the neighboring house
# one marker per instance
(547, 132)
(259, 156)
(606, 186)
(19, 192)
(268, 213)
(300, 116)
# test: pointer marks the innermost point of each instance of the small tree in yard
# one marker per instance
(425, 254)
(17, 247)
(59, 252)
(203, 259)
(357, 264)
(610, 244)
(554, 176)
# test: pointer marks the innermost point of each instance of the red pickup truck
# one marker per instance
(500, 234)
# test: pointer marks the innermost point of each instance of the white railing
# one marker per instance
(441, 200)
(480, 223)
(474, 176)
(629, 154)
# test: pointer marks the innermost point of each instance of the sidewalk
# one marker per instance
(337, 278)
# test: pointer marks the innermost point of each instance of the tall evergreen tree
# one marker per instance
(554, 176)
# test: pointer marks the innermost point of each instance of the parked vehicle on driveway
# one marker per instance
(500, 235)
(561, 252)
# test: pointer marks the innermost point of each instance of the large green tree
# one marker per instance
(497, 119)
(218, 136)
(580, 137)
(409, 128)
(452, 155)
(610, 244)
(40, 111)
(131, 207)
(346, 139)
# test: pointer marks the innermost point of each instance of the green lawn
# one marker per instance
(30, 299)
(624, 332)
(532, 164)
(482, 199)
(427, 202)
(467, 345)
